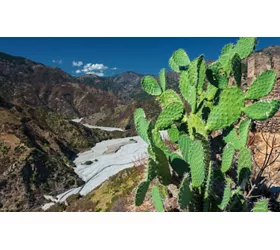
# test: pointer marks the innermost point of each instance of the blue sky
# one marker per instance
(110, 56)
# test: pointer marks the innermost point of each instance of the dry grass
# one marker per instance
(266, 153)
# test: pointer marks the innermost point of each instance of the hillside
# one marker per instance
(24, 82)
(37, 147)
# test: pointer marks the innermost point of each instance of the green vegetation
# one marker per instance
(209, 104)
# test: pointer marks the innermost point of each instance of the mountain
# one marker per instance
(24, 82)
(37, 147)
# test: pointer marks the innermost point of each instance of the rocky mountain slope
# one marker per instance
(37, 147)
(26, 82)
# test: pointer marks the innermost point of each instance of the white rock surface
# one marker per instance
(108, 158)
(105, 164)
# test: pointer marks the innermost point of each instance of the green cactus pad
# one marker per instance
(197, 125)
(208, 188)
(173, 133)
(141, 193)
(261, 206)
(201, 77)
(141, 124)
(157, 199)
(227, 157)
(262, 110)
(158, 142)
(197, 163)
(151, 170)
(150, 85)
(185, 144)
(262, 86)
(185, 193)
(169, 96)
(230, 136)
(244, 127)
(193, 71)
(217, 75)
(211, 92)
(179, 59)
(170, 113)
(188, 91)
(178, 164)
(228, 109)
(162, 167)
(227, 48)
(226, 196)
(245, 46)
(236, 68)
(244, 165)
(162, 79)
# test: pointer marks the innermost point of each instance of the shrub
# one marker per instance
(207, 106)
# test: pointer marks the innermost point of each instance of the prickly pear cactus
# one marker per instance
(212, 172)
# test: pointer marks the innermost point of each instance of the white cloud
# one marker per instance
(57, 61)
(91, 67)
(114, 68)
(78, 71)
(95, 73)
(77, 63)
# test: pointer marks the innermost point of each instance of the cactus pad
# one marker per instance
(188, 91)
(197, 163)
(245, 46)
(151, 170)
(230, 136)
(179, 59)
(178, 164)
(261, 206)
(262, 86)
(169, 96)
(173, 133)
(227, 48)
(236, 68)
(208, 188)
(141, 124)
(184, 194)
(228, 109)
(150, 85)
(244, 165)
(227, 157)
(211, 92)
(226, 196)
(162, 167)
(157, 199)
(244, 127)
(141, 192)
(162, 79)
(185, 144)
(193, 71)
(197, 125)
(170, 113)
(262, 110)
(158, 142)
(201, 77)
(217, 75)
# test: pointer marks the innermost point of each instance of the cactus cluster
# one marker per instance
(210, 99)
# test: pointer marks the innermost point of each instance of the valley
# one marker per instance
(63, 136)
